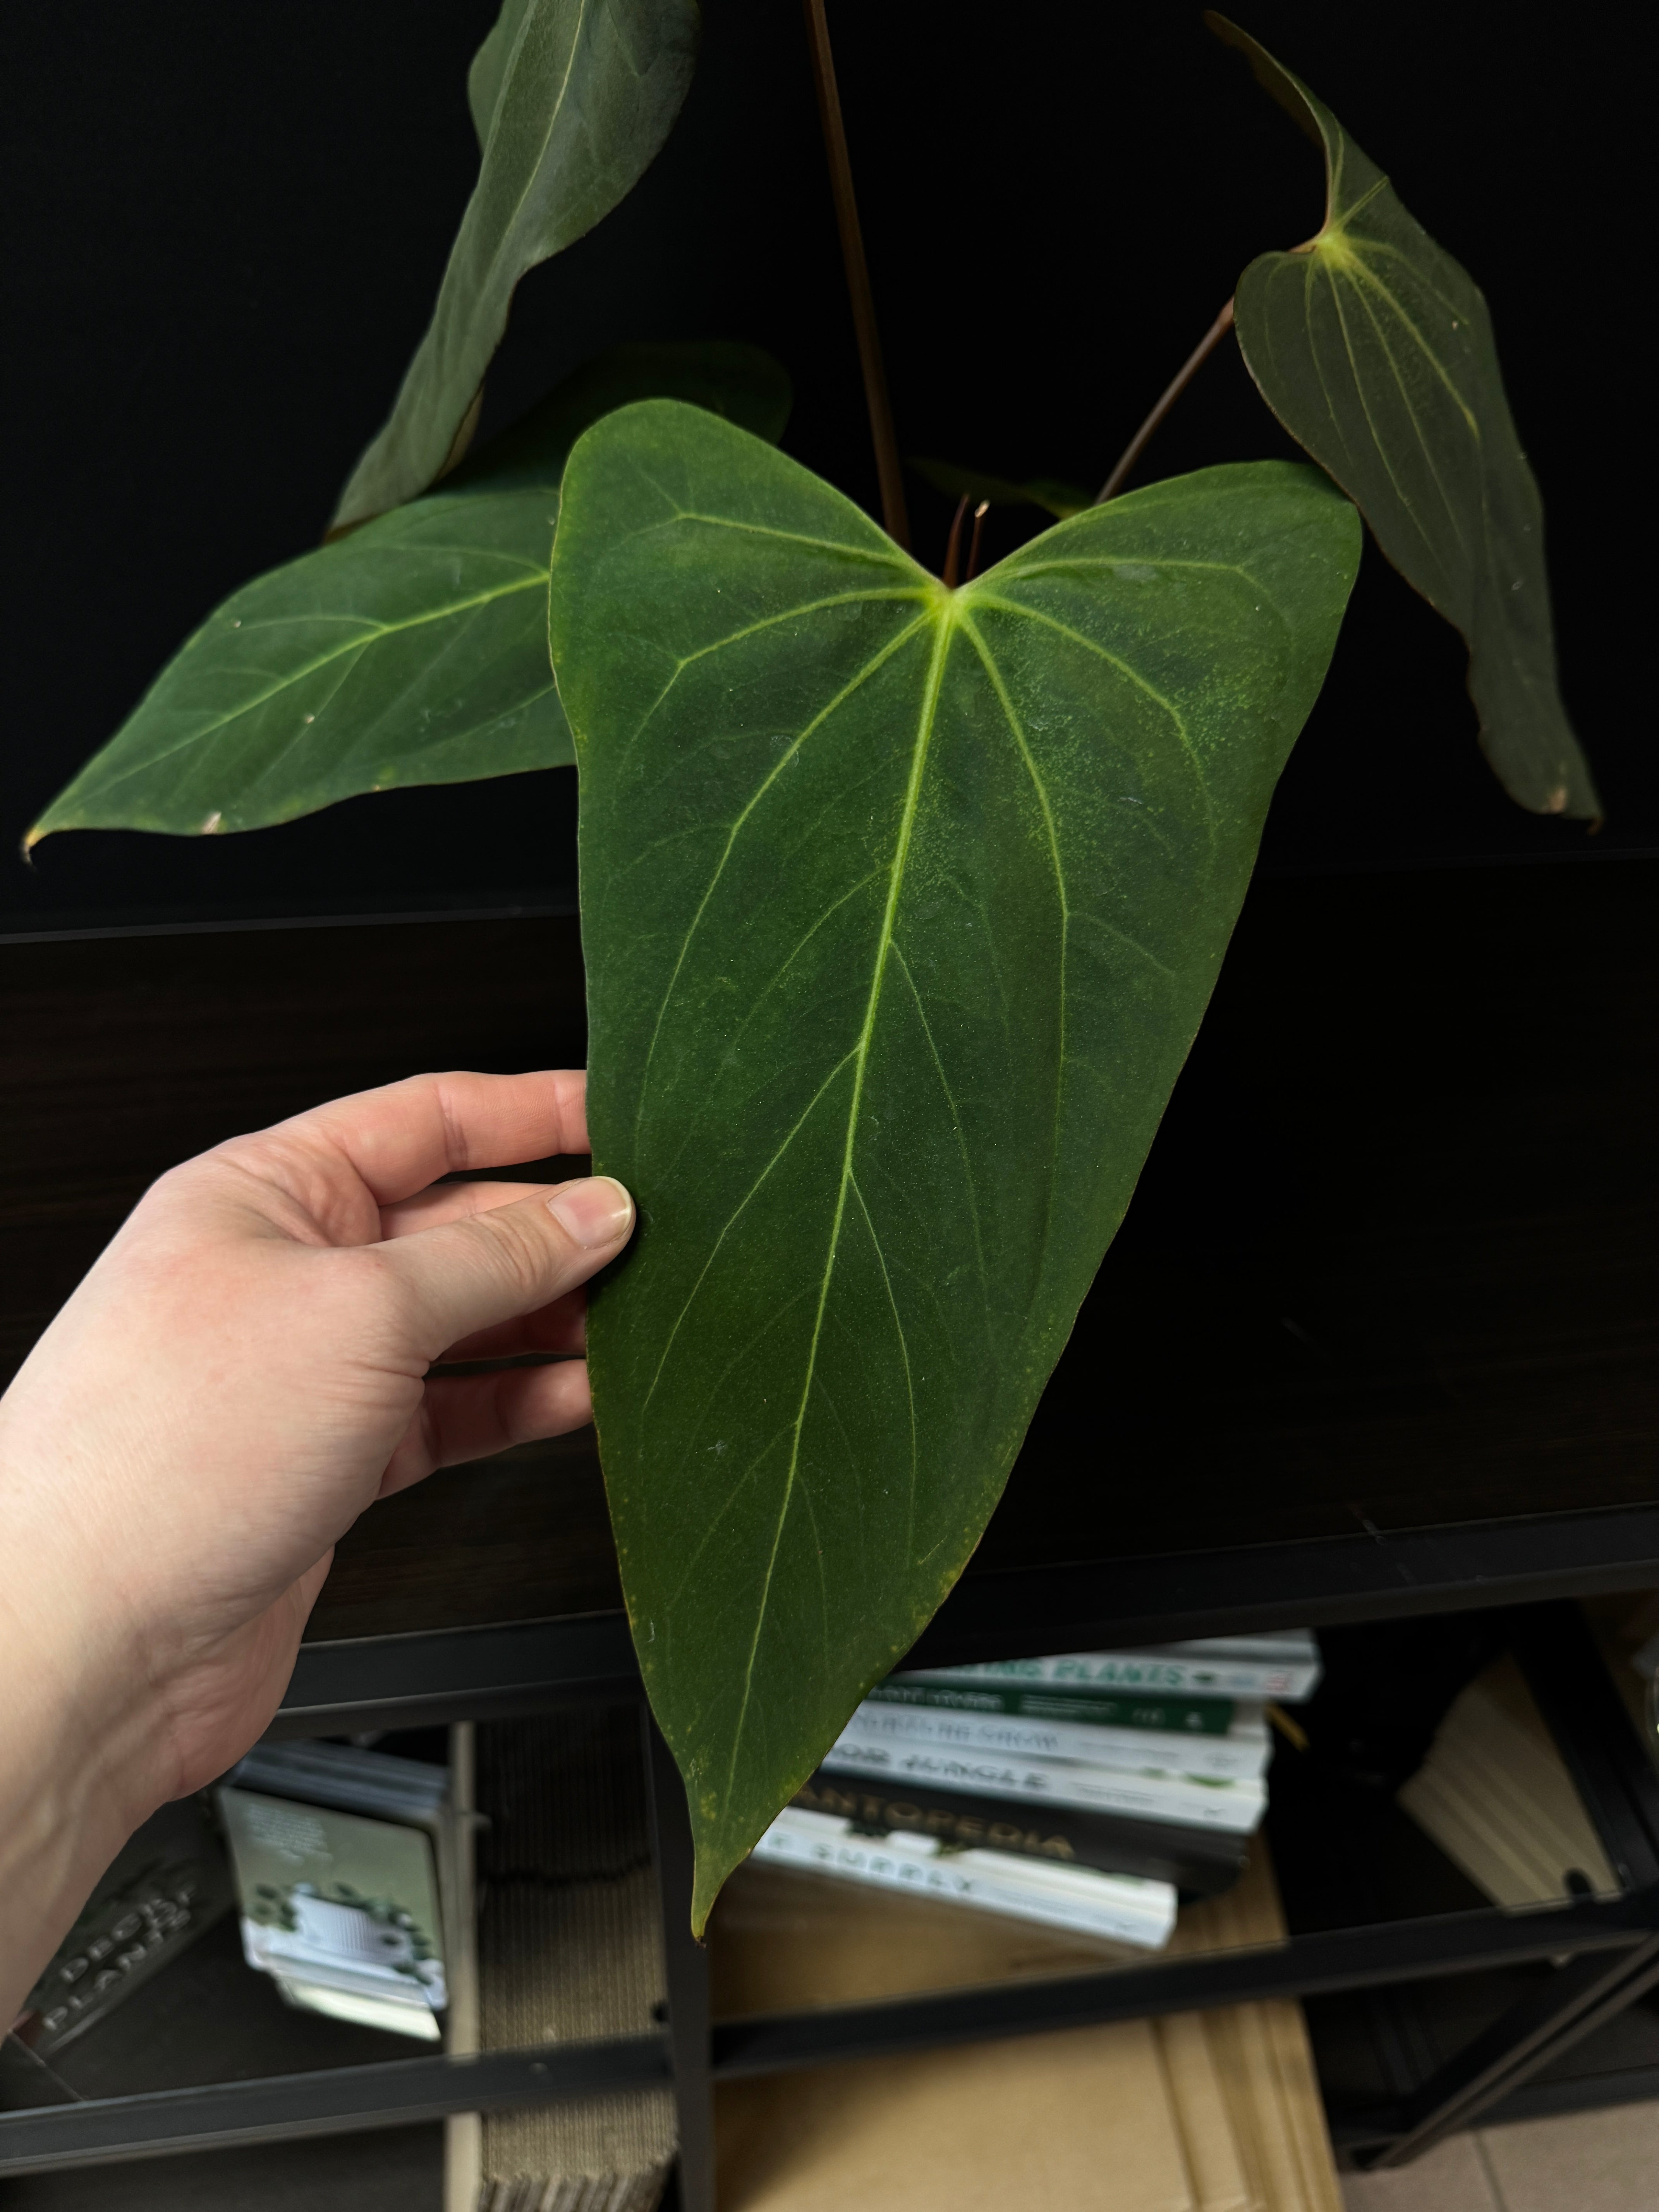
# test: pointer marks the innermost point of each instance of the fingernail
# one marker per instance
(596, 1211)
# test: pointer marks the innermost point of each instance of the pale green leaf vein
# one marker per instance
(970, 1189)
(1125, 669)
(873, 554)
(760, 997)
(904, 1355)
(375, 634)
(716, 1519)
(753, 630)
(554, 114)
(1407, 323)
(733, 1220)
(1378, 441)
(1023, 569)
(901, 854)
(790, 614)
(1424, 444)
(876, 661)
(994, 676)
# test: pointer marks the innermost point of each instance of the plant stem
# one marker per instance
(979, 513)
(890, 471)
(953, 546)
(1189, 368)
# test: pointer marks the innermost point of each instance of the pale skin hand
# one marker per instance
(241, 1374)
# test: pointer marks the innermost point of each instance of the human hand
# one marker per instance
(241, 1373)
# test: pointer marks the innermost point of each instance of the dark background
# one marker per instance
(226, 227)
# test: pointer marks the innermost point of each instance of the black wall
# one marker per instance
(225, 226)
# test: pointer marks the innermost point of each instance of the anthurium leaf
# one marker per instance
(1375, 350)
(587, 92)
(412, 650)
(900, 906)
(1059, 499)
(489, 69)
(746, 385)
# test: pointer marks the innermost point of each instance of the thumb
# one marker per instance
(487, 1268)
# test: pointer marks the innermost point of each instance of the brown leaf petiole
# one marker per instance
(1188, 369)
(890, 471)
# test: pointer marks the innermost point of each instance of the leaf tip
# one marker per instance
(706, 1888)
(1271, 75)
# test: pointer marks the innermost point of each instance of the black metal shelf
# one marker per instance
(1602, 1953)
(431, 1676)
(1357, 1295)
(336, 2100)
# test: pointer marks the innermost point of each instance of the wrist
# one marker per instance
(83, 1762)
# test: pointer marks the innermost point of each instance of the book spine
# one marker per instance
(1234, 1807)
(1066, 1701)
(1134, 1751)
(854, 1857)
(1203, 1860)
(1207, 1678)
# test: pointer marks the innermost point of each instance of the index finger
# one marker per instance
(403, 1137)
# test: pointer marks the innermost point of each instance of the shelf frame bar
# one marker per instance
(1591, 1729)
(527, 1666)
(430, 1677)
(401, 2091)
(685, 1965)
(336, 2100)
(1578, 1998)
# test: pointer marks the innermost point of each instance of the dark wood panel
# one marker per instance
(1395, 1258)
(1392, 1263)
(523, 1537)
(125, 1055)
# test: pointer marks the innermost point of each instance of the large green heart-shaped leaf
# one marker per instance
(1375, 350)
(413, 651)
(578, 96)
(900, 907)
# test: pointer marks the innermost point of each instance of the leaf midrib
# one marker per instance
(557, 111)
(433, 343)
(945, 622)
(377, 634)
(877, 661)
(948, 614)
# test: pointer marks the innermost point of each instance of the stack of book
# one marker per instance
(1084, 1788)
(1127, 1908)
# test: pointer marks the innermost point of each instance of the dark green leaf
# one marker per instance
(900, 906)
(1047, 492)
(588, 91)
(1375, 350)
(412, 650)
(746, 385)
(488, 70)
